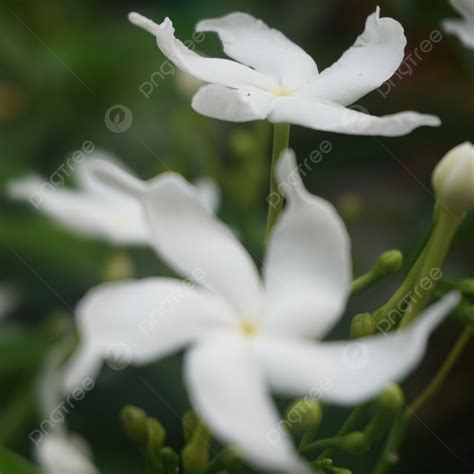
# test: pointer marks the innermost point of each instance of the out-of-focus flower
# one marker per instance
(453, 179)
(462, 28)
(64, 453)
(247, 337)
(8, 300)
(58, 451)
(93, 209)
(275, 79)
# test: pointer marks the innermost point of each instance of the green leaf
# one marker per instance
(11, 462)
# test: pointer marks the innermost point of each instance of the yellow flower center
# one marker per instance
(283, 92)
(248, 328)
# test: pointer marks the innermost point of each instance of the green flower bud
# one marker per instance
(195, 457)
(134, 422)
(453, 179)
(190, 422)
(230, 458)
(169, 461)
(354, 443)
(303, 415)
(388, 262)
(363, 324)
(155, 435)
(391, 399)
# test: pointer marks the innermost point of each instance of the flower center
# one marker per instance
(248, 328)
(283, 91)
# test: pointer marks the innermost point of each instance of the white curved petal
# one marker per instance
(229, 394)
(209, 193)
(250, 41)
(307, 271)
(374, 58)
(214, 70)
(463, 29)
(64, 454)
(140, 321)
(352, 371)
(112, 217)
(194, 242)
(233, 105)
(331, 117)
(104, 174)
(464, 7)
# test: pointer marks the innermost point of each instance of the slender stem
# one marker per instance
(389, 454)
(281, 140)
(437, 248)
(435, 384)
(400, 295)
(348, 426)
(363, 282)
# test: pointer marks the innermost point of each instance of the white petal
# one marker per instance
(233, 105)
(214, 70)
(229, 394)
(103, 173)
(209, 193)
(374, 58)
(194, 242)
(308, 266)
(464, 7)
(116, 217)
(331, 117)
(251, 42)
(463, 29)
(64, 454)
(353, 371)
(140, 321)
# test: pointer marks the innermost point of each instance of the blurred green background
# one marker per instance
(64, 64)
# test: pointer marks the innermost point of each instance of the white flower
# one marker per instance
(247, 337)
(95, 210)
(58, 451)
(276, 80)
(462, 28)
(453, 178)
(64, 453)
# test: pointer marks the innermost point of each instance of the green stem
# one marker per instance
(281, 140)
(445, 229)
(433, 387)
(400, 295)
(363, 282)
(347, 427)
(389, 455)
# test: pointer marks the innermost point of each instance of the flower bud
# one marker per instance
(134, 422)
(302, 415)
(195, 457)
(354, 443)
(190, 422)
(453, 179)
(156, 435)
(388, 262)
(391, 399)
(169, 461)
(363, 324)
